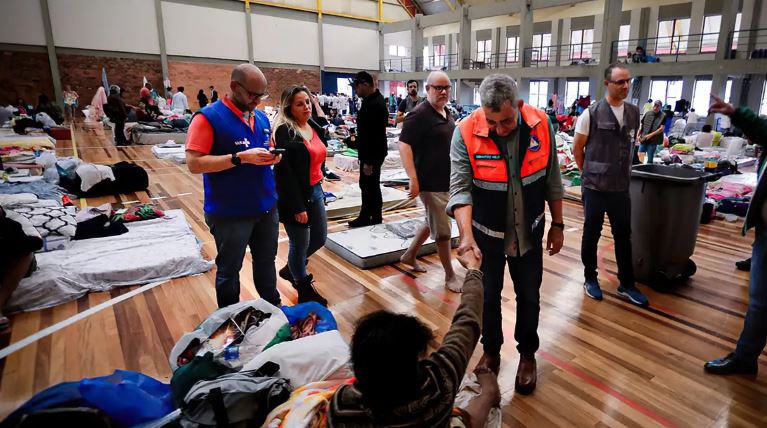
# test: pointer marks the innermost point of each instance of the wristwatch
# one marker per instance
(236, 161)
(559, 225)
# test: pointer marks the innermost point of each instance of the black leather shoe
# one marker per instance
(744, 265)
(285, 274)
(360, 222)
(730, 365)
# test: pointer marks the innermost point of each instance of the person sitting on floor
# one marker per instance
(396, 386)
(44, 105)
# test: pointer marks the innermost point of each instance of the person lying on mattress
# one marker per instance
(396, 386)
(18, 242)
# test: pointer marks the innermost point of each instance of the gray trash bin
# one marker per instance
(666, 206)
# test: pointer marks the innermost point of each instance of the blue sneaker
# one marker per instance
(591, 286)
(634, 295)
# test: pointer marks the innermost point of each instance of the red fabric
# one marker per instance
(199, 136)
(317, 154)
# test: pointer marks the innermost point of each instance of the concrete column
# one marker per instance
(688, 86)
(161, 39)
(381, 48)
(599, 25)
(644, 90)
(610, 25)
(525, 30)
(652, 23)
(718, 86)
(523, 85)
(723, 47)
(321, 43)
(636, 17)
(416, 42)
(464, 37)
(503, 45)
(249, 32)
(754, 96)
(749, 19)
(762, 21)
(466, 93)
(696, 26)
(494, 43)
(737, 97)
(555, 32)
(51, 47)
(449, 51)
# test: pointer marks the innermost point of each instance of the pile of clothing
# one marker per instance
(729, 198)
(250, 363)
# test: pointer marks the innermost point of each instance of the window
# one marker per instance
(512, 49)
(483, 50)
(727, 90)
(581, 44)
(666, 90)
(672, 36)
(711, 26)
(763, 104)
(343, 86)
(701, 96)
(426, 53)
(539, 91)
(393, 50)
(402, 51)
(439, 56)
(737, 31)
(575, 89)
(623, 40)
(476, 96)
(541, 45)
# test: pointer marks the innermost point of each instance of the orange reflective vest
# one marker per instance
(491, 175)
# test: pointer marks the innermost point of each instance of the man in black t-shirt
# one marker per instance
(425, 152)
(408, 104)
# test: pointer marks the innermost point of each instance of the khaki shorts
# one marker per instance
(436, 217)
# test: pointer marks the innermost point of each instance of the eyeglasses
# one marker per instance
(253, 95)
(441, 88)
(621, 82)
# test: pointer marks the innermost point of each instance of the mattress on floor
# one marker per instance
(346, 163)
(151, 250)
(379, 245)
(349, 201)
(152, 138)
(175, 154)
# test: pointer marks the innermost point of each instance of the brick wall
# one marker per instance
(25, 75)
(83, 72)
(194, 76)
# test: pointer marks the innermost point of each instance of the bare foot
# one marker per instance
(454, 284)
(412, 262)
(488, 381)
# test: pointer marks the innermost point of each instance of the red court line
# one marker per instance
(564, 365)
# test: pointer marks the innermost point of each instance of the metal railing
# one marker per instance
(665, 49)
(437, 62)
(560, 55)
(508, 59)
(396, 65)
(748, 44)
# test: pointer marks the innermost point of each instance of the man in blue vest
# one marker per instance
(228, 142)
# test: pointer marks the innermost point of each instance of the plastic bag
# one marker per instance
(129, 398)
(325, 319)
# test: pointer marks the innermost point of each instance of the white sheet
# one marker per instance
(152, 250)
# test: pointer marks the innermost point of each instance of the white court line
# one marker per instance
(184, 194)
(159, 197)
(8, 350)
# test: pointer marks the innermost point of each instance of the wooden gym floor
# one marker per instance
(600, 364)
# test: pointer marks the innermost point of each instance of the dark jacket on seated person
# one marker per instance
(115, 108)
(441, 375)
(291, 175)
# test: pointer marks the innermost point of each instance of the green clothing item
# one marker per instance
(516, 240)
(755, 128)
(283, 335)
(200, 368)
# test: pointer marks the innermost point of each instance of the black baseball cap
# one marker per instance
(362, 77)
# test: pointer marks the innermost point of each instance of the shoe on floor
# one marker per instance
(307, 292)
(730, 365)
(527, 375)
(360, 222)
(332, 176)
(591, 287)
(285, 274)
(634, 295)
(744, 265)
(491, 361)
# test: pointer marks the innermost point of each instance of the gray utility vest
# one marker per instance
(610, 148)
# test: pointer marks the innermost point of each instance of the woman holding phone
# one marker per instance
(301, 201)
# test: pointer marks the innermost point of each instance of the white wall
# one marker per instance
(347, 47)
(24, 25)
(203, 31)
(112, 25)
(301, 48)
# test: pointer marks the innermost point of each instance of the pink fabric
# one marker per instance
(97, 104)
(721, 191)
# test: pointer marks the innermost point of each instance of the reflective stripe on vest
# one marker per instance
(487, 163)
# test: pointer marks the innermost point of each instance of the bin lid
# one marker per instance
(671, 173)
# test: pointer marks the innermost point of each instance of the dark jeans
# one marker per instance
(617, 205)
(372, 200)
(754, 335)
(120, 132)
(305, 241)
(526, 274)
(232, 235)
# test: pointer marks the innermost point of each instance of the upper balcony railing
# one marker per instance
(749, 44)
(509, 59)
(689, 47)
(561, 55)
(429, 63)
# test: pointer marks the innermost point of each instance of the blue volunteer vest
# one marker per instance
(245, 190)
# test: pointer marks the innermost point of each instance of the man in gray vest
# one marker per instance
(603, 147)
